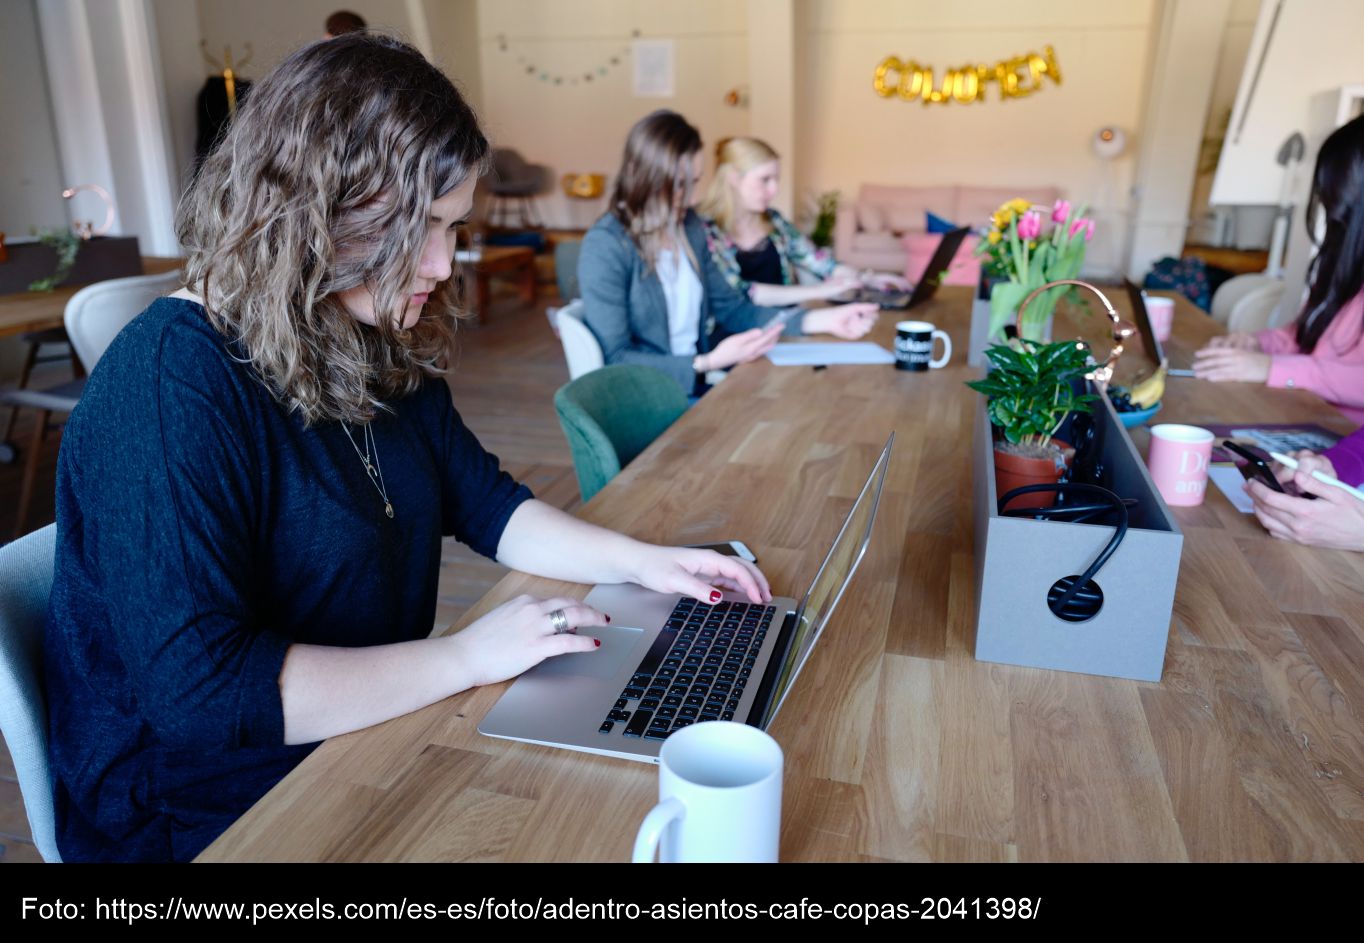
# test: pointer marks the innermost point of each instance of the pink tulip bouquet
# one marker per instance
(1024, 254)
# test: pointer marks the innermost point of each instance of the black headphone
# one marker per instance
(1075, 598)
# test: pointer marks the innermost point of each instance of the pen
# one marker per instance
(1320, 476)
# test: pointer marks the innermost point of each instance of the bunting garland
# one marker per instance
(597, 72)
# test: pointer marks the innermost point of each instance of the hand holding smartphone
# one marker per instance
(1255, 468)
(781, 317)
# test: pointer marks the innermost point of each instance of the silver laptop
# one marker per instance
(1179, 366)
(668, 661)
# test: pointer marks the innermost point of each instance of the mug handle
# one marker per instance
(946, 350)
(651, 829)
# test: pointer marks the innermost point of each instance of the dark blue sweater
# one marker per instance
(201, 530)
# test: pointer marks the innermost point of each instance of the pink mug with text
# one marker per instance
(1161, 312)
(1178, 461)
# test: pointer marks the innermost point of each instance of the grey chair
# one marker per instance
(93, 317)
(25, 583)
(514, 185)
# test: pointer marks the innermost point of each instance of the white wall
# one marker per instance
(848, 135)
(582, 128)
(1315, 49)
(275, 28)
(455, 45)
(31, 183)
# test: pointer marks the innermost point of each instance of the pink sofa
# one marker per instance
(871, 233)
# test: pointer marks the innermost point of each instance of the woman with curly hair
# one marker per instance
(252, 493)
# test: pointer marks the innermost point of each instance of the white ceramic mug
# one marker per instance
(719, 792)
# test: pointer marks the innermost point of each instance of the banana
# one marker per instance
(1149, 391)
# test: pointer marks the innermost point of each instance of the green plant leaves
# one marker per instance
(1029, 387)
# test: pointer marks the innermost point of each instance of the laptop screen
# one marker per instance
(831, 580)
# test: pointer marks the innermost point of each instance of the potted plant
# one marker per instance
(1022, 254)
(1031, 389)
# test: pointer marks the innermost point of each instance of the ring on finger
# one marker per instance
(559, 620)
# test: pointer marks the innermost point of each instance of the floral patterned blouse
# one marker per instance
(794, 248)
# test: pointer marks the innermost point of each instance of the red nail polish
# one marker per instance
(715, 596)
(597, 642)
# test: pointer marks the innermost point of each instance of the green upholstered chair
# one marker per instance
(611, 415)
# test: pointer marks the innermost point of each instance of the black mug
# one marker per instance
(914, 346)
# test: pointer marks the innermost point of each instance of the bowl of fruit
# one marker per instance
(1136, 405)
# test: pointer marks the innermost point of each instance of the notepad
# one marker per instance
(852, 352)
(1229, 481)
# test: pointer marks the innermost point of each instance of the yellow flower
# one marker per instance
(1002, 218)
(1019, 205)
(994, 237)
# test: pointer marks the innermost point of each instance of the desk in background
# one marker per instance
(899, 745)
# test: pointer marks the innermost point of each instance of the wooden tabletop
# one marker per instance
(39, 310)
(898, 744)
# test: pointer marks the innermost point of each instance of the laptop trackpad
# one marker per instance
(617, 648)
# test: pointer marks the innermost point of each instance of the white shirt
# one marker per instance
(682, 289)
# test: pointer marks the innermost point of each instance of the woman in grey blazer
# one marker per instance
(650, 291)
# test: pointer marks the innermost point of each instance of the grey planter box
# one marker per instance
(1018, 560)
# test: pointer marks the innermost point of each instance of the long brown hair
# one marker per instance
(324, 183)
(653, 187)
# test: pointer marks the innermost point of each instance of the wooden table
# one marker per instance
(503, 260)
(40, 310)
(899, 745)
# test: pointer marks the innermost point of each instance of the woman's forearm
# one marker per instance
(544, 541)
(330, 690)
(769, 296)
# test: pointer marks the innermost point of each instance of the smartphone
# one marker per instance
(1253, 468)
(781, 317)
(732, 548)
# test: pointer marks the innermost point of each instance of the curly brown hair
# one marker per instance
(324, 183)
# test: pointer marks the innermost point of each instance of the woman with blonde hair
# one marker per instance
(252, 494)
(756, 249)
(651, 292)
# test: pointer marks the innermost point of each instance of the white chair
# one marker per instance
(581, 349)
(1233, 290)
(25, 583)
(1255, 309)
(93, 317)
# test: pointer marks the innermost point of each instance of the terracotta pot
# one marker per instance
(1015, 471)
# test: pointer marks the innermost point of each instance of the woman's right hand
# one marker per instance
(1308, 462)
(1236, 340)
(840, 283)
(519, 634)
(740, 348)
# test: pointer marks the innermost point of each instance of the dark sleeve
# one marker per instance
(604, 270)
(732, 308)
(479, 497)
(169, 497)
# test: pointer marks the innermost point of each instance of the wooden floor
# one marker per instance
(503, 384)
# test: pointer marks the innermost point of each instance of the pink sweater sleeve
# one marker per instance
(1334, 370)
(1279, 340)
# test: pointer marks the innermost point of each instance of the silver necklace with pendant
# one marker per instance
(376, 473)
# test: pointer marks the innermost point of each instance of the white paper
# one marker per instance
(805, 355)
(655, 74)
(1229, 481)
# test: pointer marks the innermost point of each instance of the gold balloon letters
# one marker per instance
(1016, 78)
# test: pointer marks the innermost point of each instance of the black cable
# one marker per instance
(1080, 598)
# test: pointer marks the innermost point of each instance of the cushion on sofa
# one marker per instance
(870, 217)
(919, 248)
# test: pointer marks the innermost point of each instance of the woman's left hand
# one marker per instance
(1222, 364)
(698, 573)
(1334, 520)
(846, 321)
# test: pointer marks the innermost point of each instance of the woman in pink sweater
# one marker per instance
(1323, 350)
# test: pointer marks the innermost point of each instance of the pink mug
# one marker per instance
(1178, 461)
(1161, 312)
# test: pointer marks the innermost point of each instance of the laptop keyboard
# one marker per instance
(695, 670)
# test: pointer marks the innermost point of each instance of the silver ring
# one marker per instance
(559, 620)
